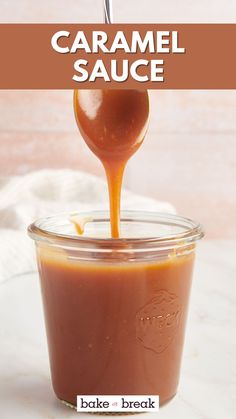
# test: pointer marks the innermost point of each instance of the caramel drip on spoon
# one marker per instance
(113, 124)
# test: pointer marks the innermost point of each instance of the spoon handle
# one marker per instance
(108, 16)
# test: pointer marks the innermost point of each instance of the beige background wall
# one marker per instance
(189, 155)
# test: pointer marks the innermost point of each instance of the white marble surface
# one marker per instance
(208, 381)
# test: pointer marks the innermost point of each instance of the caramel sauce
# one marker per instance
(79, 223)
(113, 124)
(113, 326)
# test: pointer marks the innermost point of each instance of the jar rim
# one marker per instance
(191, 231)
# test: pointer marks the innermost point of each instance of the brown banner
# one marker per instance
(197, 56)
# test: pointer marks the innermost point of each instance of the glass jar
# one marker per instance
(115, 309)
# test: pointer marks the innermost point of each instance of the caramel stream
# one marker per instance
(113, 124)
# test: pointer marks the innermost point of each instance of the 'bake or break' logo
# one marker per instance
(157, 321)
(117, 404)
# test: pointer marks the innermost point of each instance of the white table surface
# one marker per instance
(208, 380)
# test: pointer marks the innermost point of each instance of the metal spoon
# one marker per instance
(108, 16)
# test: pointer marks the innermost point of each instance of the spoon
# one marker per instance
(107, 5)
(113, 124)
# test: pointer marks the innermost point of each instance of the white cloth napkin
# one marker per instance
(26, 198)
